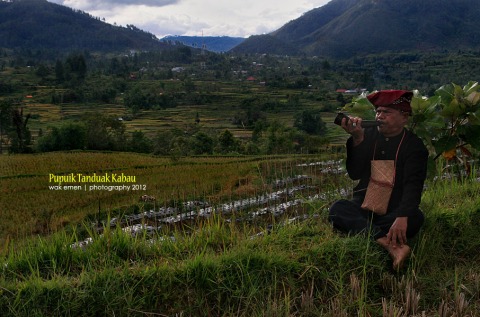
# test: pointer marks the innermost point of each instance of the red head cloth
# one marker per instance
(395, 99)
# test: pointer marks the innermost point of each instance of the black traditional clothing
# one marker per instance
(411, 169)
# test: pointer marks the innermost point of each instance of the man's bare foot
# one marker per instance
(398, 253)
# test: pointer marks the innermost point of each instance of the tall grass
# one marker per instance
(224, 269)
(218, 266)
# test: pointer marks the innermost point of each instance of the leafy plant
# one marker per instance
(360, 107)
(448, 122)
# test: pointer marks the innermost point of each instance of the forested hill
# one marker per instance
(347, 28)
(38, 24)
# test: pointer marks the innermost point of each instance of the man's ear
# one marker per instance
(405, 115)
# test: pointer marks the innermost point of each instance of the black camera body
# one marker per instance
(365, 123)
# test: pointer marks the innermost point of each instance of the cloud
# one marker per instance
(105, 4)
(240, 18)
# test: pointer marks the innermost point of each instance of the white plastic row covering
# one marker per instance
(276, 210)
(277, 204)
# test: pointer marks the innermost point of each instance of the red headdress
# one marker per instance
(395, 99)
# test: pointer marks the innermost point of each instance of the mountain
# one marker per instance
(38, 24)
(216, 44)
(346, 28)
(259, 44)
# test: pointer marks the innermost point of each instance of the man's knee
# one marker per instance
(415, 223)
(334, 210)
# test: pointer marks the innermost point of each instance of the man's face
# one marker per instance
(393, 121)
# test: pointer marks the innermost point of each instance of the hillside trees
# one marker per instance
(70, 136)
(73, 71)
(95, 132)
(202, 143)
(19, 134)
(14, 131)
(5, 120)
(6, 88)
(139, 98)
(227, 143)
(310, 121)
(179, 143)
(105, 133)
(139, 143)
(118, 67)
(253, 110)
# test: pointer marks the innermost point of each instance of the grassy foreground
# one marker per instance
(219, 268)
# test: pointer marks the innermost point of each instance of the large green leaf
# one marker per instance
(453, 109)
(471, 87)
(474, 117)
(360, 107)
(458, 91)
(472, 136)
(445, 143)
(446, 93)
(420, 105)
(474, 97)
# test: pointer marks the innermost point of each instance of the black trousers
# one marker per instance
(348, 216)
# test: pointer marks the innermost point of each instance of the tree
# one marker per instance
(162, 143)
(20, 136)
(135, 100)
(310, 121)
(202, 144)
(227, 142)
(105, 133)
(189, 85)
(42, 71)
(5, 119)
(279, 139)
(75, 69)
(59, 72)
(70, 136)
(140, 143)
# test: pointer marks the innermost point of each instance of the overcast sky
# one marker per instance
(240, 18)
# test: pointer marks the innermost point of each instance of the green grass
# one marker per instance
(300, 268)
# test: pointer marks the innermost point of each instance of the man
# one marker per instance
(391, 143)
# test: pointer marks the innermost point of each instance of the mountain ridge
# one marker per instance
(339, 29)
(347, 28)
(218, 44)
(39, 24)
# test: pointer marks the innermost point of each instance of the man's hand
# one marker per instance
(353, 126)
(397, 235)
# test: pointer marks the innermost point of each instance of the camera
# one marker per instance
(365, 123)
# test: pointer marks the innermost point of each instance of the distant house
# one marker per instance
(351, 91)
(178, 69)
(251, 78)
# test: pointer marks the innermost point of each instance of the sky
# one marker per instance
(238, 18)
